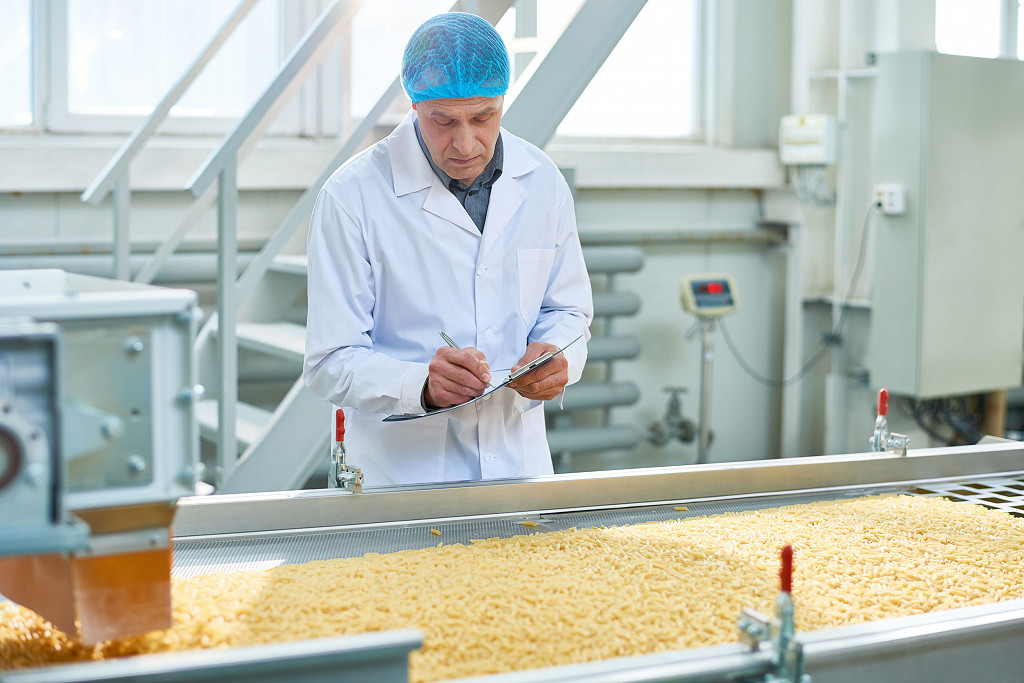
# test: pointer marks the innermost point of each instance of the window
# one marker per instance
(16, 63)
(975, 28)
(647, 86)
(115, 59)
(109, 62)
(380, 31)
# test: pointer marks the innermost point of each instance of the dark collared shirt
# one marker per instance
(474, 198)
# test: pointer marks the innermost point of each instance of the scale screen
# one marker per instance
(708, 294)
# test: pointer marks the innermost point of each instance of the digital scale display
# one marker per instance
(708, 295)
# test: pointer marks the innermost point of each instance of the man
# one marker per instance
(453, 225)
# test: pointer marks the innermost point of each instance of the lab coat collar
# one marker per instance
(412, 172)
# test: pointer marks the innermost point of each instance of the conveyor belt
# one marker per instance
(265, 550)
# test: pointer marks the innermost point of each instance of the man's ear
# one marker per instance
(414, 106)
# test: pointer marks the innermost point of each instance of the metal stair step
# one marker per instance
(282, 339)
(250, 423)
(294, 264)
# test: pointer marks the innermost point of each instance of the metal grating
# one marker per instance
(1005, 494)
(192, 558)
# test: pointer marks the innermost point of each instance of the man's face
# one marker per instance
(460, 133)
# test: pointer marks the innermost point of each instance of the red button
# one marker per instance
(715, 288)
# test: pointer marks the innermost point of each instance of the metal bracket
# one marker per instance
(787, 652)
(884, 441)
(342, 475)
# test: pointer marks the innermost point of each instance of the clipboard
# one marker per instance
(532, 365)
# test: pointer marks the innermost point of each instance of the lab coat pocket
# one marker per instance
(534, 270)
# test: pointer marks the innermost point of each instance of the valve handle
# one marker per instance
(883, 401)
(339, 425)
(786, 573)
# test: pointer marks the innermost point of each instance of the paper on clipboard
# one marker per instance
(532, 365)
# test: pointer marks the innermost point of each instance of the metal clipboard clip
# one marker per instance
(532, 365)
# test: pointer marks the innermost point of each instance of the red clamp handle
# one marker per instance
(883, 401)
(786, 573)
(339, 425)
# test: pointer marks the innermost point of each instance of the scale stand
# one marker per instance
(708, 296)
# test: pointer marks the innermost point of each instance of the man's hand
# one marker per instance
(544, 382)
(455, 376)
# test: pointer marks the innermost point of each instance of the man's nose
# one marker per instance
(462, 140)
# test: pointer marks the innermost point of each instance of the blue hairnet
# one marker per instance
(455, 55)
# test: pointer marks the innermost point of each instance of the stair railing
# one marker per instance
(115, 175)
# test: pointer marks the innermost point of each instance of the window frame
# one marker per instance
(306, 115)
(320, 109)
(702, 100)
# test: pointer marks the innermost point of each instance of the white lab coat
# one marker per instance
(393, 260)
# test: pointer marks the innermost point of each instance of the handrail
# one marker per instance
(118, 166)
(300, 210)
(303, 59)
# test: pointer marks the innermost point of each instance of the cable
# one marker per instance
(832, 338)
(917, 408)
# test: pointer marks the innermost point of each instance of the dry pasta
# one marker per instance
(589, 594)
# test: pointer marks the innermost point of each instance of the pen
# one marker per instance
(451, 342)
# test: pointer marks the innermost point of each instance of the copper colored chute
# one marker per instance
(42, 583)
(109, 596)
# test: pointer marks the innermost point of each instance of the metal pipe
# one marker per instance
(592, 438)
(180, 269)
(608, 348)
(613, 259)
(616, 303)
(707, 328)
(589, 395)
(122, 229)
(761, 237)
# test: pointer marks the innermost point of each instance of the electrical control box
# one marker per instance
(948, 298)
(708, 295)
(808, 139)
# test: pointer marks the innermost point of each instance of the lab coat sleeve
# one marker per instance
(568, 306)
(340, 363)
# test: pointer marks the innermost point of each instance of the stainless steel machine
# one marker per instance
(262, 530)
(97, 443)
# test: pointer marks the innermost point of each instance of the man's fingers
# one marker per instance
(555, 366)
(456, 375)
(471, 360)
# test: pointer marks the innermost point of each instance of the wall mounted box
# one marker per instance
(948, 313)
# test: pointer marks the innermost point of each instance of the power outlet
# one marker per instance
(890, 198)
